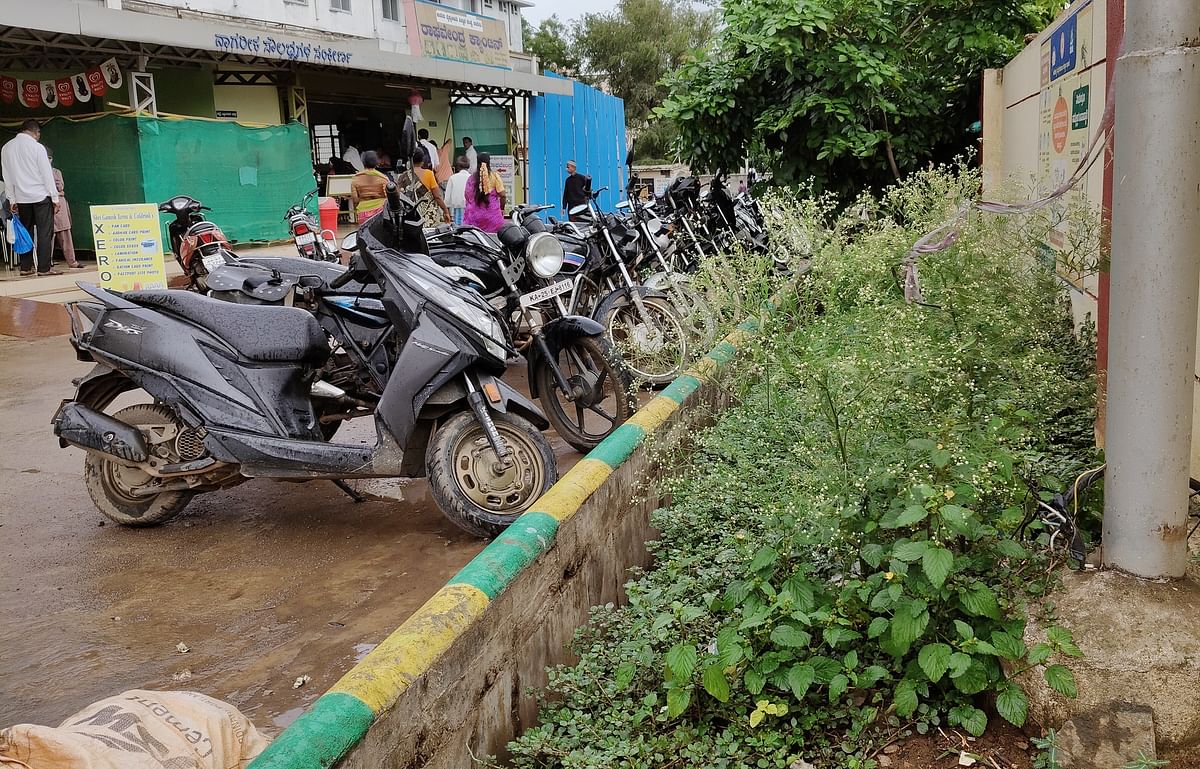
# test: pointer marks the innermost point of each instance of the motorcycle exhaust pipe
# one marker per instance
(78, 425)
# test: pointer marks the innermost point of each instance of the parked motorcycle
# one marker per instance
(583, 384)
(641, 322)
(199, 246)
(311, 241)
(236, 393)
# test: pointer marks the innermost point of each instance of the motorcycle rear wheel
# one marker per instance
(111, 485)
(463, 477)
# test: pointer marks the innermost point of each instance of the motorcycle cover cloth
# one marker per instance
(138, 729)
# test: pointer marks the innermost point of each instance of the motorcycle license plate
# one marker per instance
(542, 294)
(213, 261)
(306, 238)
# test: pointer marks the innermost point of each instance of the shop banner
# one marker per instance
(505, 167)
(112, 74)
(8, 89)
(129, 249)
(443, 33)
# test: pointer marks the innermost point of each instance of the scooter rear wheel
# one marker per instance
(114, 487)
(471, 487)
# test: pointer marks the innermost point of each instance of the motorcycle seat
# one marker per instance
(260, 333)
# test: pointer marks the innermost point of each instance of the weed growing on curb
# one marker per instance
(836, 566)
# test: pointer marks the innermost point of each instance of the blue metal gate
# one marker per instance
(587, 127)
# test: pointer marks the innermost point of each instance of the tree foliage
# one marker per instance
(627, 52)
(551, 42)
(851, 93)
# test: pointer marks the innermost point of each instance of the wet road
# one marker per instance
(263, 583)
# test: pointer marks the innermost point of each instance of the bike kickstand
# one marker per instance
(349, 491)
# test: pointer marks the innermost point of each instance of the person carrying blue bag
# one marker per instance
(30, 189)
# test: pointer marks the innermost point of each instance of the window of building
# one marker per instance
(296, 2)
(340, 5)
(391, 10)
(487, 3)
(325, 143)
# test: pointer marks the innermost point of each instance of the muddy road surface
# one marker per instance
(262, 583)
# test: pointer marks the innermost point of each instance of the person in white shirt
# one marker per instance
(472, 155)
(456, 189)
(30, 189)
(431, 150)
(353, 157)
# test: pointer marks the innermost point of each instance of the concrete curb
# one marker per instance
(341, 717)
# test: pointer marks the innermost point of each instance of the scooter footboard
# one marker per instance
(276, 457)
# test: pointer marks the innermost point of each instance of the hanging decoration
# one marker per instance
(414, 100)
(31, 93)
(49, 95)
(79, 85)
(64, 91)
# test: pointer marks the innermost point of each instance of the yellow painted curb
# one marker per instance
(652, 415)
(411, 650)
(566, 496)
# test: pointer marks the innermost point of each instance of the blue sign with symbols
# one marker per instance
(1063, 55)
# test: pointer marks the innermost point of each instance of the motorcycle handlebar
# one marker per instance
(393, 197)
(342, 279)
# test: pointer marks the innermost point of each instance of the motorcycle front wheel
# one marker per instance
(601, 396)
(472, 487)
(653, 347)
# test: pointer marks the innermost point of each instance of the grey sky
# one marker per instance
(566, 9)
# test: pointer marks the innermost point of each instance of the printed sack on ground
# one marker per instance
(138, 730)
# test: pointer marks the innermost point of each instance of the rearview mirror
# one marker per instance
(350, 242)
(408, 139)
(579, 210)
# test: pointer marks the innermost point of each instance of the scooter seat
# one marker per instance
(261, 333)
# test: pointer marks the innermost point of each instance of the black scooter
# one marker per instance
(235, 393)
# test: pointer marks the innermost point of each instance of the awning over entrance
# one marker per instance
(52, 34)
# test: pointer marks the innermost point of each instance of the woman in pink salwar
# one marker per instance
(485, 197)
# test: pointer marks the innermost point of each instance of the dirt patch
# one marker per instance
(1003, 746)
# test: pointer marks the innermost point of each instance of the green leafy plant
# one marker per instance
(837, 563)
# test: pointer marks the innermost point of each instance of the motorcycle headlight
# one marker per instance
(480, 320)
(544, 254)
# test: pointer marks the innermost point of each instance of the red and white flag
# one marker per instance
(95, 81)
(64, 91)
(8, 89)
(31, 93)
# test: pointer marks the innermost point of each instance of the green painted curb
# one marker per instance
(494, 568)
(617, 447)
(749, 324)
(683, 386)
(722, 353)
(322, 735)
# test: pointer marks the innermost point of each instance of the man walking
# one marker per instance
(575, 189)
(29, 186)
(431, 150)
(456, 189)
(471, 153)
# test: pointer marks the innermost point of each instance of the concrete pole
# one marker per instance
(1154, 284)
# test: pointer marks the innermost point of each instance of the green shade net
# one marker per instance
(248, 176)
(487, 127)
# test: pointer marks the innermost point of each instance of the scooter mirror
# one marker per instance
(408, 139)
(350, 242)
(579, 209)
